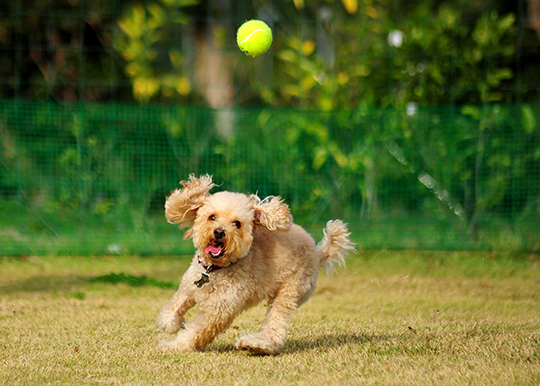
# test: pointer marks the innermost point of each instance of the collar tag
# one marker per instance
(209, 269)
(204, 279)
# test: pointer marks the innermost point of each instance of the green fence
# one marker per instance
(92, 178)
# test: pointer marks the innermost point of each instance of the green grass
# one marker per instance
(63, 230)
(389, 318)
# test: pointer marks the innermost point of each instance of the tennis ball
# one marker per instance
(254, 37)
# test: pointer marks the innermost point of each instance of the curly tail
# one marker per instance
(335, 244)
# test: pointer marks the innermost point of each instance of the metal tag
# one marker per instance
(204, 279)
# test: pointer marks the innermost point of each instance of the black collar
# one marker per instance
(208, 268)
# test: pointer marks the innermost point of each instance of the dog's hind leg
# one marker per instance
(273, 335)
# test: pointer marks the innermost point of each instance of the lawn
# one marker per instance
(388, 318)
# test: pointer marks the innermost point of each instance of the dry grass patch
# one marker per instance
(389, 318)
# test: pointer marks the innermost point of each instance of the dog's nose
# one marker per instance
(219, 233)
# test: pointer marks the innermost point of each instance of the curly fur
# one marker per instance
(256, 252)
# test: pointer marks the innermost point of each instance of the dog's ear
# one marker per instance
(182, 205)
(272, 212)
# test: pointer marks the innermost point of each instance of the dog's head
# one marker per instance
(222, 224)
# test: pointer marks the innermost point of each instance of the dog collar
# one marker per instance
(205, 275)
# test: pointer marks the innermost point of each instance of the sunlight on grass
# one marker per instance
(389, 318)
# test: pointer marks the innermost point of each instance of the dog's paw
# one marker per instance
(177, 344)
(164, 345)
(259, 344)
(167, 345)
(170, 322)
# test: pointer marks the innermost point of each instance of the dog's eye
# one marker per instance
(237, 224)
(212, 218)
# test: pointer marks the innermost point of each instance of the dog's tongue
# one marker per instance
(214, 249)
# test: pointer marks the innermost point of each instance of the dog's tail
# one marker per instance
(335, 244)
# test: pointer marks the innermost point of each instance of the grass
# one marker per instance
(389, 318)
(50, 229)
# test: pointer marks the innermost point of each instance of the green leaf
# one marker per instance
(473, 111)
(320, 157)
(528, 120)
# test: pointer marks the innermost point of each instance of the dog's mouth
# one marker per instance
(215, 251)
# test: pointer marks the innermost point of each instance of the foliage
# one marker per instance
(431, 57)
(58, 50)
(326, 54)
(145, 30)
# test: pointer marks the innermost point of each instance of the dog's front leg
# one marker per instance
(212, 320)
(171, 318)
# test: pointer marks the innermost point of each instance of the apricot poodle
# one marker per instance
(247, 250)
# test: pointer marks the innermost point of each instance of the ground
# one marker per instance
(392, 318)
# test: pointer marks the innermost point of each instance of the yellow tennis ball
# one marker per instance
(254, 37)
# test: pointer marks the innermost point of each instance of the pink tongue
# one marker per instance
(214, 249)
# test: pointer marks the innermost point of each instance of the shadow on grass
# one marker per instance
(44, 283)
(134, 281)
(320, 343)
(328, 341)
(51, 283)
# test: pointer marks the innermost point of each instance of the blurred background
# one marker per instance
(417, 122)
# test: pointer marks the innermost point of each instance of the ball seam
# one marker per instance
(247, 38)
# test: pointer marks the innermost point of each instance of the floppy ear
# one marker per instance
(272, 213)
(182, 205)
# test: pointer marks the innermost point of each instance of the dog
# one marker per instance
(247, 250)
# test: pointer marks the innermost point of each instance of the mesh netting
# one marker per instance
(93, 178)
